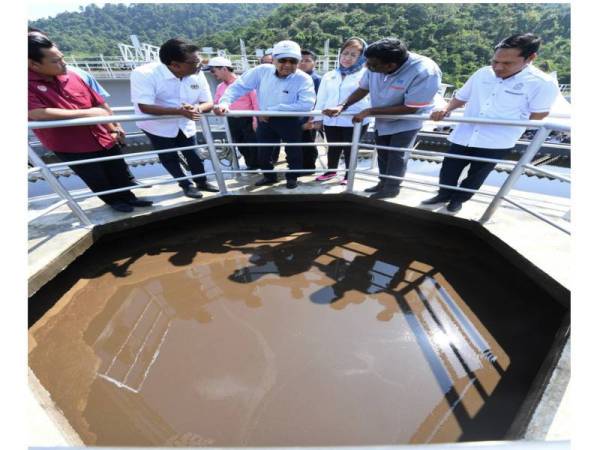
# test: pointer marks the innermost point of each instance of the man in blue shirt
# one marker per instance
(399, 82)
(280, 87)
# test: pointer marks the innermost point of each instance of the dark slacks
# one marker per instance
(170, 161)
(391, 162)
(340, 134)
(478, 170)
(276, 130)
(309, 152)
(242, 132)
(102, 176)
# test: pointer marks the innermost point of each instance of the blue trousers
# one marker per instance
(478, 170)
(391, 162)
(171, 161)
(276, 130)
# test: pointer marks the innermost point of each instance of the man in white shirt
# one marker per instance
(512, 89)
(174, 86)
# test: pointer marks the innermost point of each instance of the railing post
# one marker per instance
(353, 156)
(212, 151)
(532, 149)
(58, 188)
(234, 161)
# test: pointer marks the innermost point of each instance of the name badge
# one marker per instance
(42, 88)
(514, 93)
(194, 86)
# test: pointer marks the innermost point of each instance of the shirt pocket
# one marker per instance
(80, 100)
(511, 100)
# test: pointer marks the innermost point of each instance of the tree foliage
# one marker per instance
(459, 37)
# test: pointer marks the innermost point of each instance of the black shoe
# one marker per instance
(208, 187)
(192, 192)
(264, 181)
(378, 187)
(291, 184)
(385, 194)
(140, 202)
(454, 205)
(121, 207)
(437, 199)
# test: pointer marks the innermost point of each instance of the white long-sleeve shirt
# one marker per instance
(334, 90)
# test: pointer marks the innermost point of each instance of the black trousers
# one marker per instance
(276, 130)
(171, 162)
(478, 170)
(391, 162)
(242, 132)
(309, 152)
(102, 176)
(340, 134)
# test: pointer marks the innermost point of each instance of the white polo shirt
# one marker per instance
(155, 84)
(491, 97)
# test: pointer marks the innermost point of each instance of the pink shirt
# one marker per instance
(245, 102)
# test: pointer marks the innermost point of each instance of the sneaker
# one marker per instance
(437, 199)
(140, 202)
(192, 192)
(344, 182)
(121, 207)
(385, 194)
(264, 181)
(291, 184)
(378, 187)
(454, 205)
(208, 187)
(326, 176)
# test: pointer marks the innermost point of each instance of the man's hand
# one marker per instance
(307, 126)
(333, 112)
(264, 119)
(192, 112)
(439, 115)
(317, 125)
(361, 115)
(220, 110)
(119, 134)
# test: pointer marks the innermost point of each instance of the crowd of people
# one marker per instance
(377, 79)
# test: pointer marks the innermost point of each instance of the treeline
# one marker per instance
(460, 37)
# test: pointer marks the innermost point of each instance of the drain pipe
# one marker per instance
(517, 171)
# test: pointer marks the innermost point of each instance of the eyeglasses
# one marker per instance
(287, 61)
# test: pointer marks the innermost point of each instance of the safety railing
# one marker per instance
(543, 129)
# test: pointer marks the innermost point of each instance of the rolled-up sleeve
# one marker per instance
(422, 90)
(242, 86)
(364, 81)
(304, 101)
(544, 97)
(204, 95)
(143, 90)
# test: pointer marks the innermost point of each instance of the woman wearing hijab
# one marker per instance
(336, 86)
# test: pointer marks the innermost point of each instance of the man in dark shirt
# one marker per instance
(57, 94)
(309, 152)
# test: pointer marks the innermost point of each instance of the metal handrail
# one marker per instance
(544, 127)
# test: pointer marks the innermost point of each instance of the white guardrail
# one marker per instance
(544, 127)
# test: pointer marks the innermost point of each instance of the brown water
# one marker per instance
(298, 336)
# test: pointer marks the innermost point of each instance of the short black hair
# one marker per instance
(307, 52)
(527, 43)
(388, 50)
(176, 50)
(36, 43)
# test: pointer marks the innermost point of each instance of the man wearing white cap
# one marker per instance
(242, 128)
(280, 87)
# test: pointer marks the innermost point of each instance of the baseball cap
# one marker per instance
(287, 49)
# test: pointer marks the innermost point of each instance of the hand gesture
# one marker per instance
(220, 110)
(333, 112)
(361, 115)
(439, 115)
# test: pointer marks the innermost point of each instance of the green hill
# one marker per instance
(459, 37)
